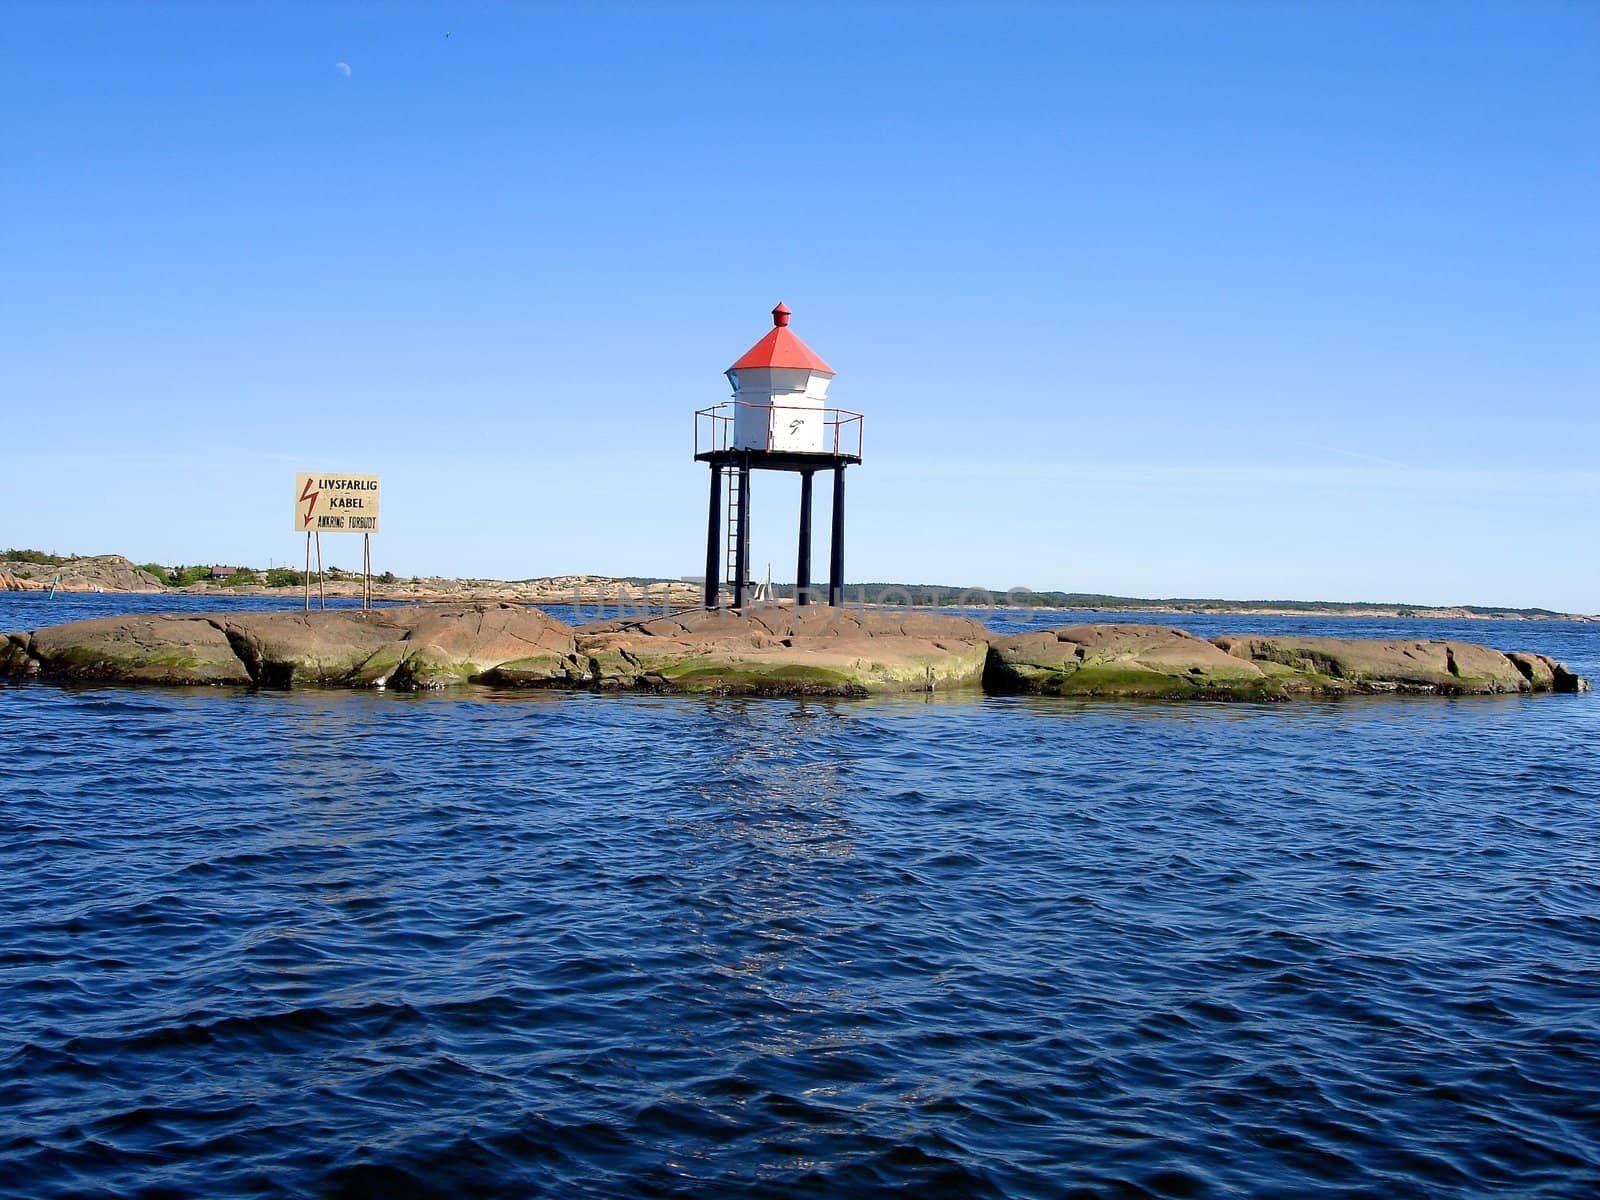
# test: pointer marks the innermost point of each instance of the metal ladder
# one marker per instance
(736, 499)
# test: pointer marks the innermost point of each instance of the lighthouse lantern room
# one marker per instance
(778, 420)
(781, 387)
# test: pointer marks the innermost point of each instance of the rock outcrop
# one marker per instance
(772, 651)
(98, 573)
(422, 646)
(1156, 661)
(12, 583)
(1133, 660)
(815, 650)
(142, 648)
(14, 657)
(1399, 664)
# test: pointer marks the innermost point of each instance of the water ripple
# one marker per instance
(502, 945)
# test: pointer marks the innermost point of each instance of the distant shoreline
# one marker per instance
(115, 574)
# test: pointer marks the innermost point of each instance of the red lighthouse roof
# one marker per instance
(780, 348)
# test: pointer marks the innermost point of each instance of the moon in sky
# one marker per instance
(343, 68)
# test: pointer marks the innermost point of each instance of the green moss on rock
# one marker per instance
(756, 679)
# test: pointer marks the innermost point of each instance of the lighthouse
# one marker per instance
(777, 420)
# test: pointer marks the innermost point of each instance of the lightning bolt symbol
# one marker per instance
(311, 496)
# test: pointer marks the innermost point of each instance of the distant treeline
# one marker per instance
(272, 577)
(940, 595)
(37, 557)
(944, 595)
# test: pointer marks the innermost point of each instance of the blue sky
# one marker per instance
(1201, 299)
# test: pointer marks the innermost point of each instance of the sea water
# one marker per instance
(560, 944)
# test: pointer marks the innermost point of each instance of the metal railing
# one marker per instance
(714, 427)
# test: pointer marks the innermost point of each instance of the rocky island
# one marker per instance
(116, 574)
(772, 650)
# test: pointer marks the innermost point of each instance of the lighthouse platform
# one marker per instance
(718, 429)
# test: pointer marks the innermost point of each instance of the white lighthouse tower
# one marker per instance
(778, 420)
(781, 390)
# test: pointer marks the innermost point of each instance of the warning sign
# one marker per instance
(335, 503)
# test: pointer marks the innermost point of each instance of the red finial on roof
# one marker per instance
(781, 348)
